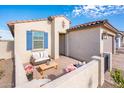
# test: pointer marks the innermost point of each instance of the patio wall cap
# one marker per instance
(96, 58)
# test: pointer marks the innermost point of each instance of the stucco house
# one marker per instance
(27, 33)
(54, 34)
(93, 38)
(119, 39)
(58, 38)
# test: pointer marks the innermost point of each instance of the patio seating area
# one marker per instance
(53, 73)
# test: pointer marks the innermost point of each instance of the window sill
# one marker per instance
(35, 50)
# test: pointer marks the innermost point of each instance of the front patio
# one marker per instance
(53, 73)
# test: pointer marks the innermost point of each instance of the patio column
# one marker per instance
(20, 76)
(54, 40)
(100, 70)
(66, 45)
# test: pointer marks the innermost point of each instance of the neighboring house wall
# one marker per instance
(123, 41)
(83, 44)
(83, 77)
(119, 40)
(6, 49)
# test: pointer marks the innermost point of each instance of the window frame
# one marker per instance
(33, 31)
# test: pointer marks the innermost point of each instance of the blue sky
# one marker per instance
(77, 14)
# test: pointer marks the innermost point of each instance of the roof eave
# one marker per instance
(109, 26)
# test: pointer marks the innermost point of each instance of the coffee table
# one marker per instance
(44, 67)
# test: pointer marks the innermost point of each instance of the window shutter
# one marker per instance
(45, 40)
(29, 40)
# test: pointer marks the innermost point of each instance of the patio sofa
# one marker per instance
(38, 58)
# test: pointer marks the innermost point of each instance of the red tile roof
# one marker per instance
(34, 20)
(89, 24)
(24, 21)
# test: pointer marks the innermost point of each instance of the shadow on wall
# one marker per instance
(10, 47)
(13, 74)
(90, 84)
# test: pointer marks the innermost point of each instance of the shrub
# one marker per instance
(118, 78)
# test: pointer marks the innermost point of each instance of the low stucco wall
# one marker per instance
(6, 49)
(88, 76)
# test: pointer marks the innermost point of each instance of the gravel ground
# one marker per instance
(107, 85)
(6, 80)
(117, 63)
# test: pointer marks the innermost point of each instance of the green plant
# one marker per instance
(118, 78)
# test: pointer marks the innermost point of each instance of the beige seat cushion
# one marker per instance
(41, 59)
(36, 55)
(45, 54)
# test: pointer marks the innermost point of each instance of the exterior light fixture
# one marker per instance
(63, 24)
(104, 35)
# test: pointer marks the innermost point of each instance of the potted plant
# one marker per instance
(29, 71)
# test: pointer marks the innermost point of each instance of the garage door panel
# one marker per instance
(108, 44)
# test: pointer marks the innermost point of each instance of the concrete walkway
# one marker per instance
(117, 63)
(118, 59)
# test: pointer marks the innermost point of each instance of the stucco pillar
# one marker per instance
(56, 46)
(20, 75)
(110, 62)
(66, 45)
(115, 46)
(100, 70)
(54, 40)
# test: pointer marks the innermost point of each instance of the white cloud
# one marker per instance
(96, 11)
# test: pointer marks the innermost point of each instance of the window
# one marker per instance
(37, 40)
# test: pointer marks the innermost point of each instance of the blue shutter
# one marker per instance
(45, 40)
(29, 40)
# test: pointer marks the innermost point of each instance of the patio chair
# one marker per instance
(38, 58)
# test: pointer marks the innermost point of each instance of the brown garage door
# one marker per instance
(108, 44)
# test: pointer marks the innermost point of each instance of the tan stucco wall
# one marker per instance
(83, 44)
(6, 49)
(20, 37)
(123, 41)
(53, 28)
(106, 43)
(58, 28)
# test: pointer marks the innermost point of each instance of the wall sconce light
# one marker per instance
(104, 35)
(63, 24)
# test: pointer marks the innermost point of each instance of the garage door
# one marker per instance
(108, 44)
